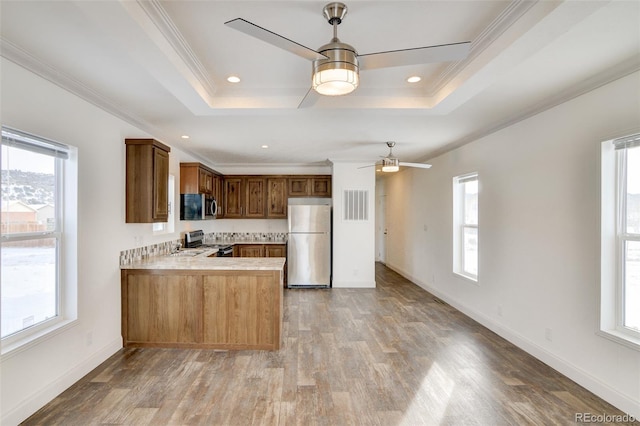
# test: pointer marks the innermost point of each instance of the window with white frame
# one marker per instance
(32, 293)
(620, 239)
(465, 225)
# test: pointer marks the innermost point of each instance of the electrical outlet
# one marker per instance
(500, 310)
(425, 228)
(89, 338)
(547, 334)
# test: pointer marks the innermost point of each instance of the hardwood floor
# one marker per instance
(394, 355)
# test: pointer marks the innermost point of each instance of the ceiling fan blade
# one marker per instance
(309, 99)
(272, 38)
(420, 165)
(415, 56)
(365, 167)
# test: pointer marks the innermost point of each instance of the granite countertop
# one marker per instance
(204, 262)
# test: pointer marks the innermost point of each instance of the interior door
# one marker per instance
(381, 228)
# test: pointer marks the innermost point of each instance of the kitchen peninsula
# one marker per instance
(203, 302)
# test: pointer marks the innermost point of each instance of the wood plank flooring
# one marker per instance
(393, 355)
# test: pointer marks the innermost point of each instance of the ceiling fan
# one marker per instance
(336, 65)
(392, 164)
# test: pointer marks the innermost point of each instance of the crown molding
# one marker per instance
(160, 18)
(612, 74)
(21, 57)
(509, 16)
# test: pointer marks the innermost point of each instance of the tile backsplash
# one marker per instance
(223, 237)
(161, 249)
(141, 253)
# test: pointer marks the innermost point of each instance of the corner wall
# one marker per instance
(538, 236)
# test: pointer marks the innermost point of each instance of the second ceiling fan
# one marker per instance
(337, 65)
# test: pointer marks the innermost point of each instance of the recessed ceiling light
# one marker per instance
(233, 79)
(413, 79)
(264, 146)
(185, 136)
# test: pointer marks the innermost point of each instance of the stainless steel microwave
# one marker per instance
(197, 207)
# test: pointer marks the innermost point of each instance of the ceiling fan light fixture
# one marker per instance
(338, 74)
(390, 165)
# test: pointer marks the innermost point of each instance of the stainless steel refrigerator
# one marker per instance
(309, 243)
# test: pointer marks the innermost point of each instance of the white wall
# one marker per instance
(353, 242)
(539, 236)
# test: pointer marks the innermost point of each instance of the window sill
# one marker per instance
(28, 341)
(473, 280)
(621, 338)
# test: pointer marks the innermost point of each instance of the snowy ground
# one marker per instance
(28, 286)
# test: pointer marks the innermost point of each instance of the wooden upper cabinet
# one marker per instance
(218, 194)
(147, 181)
(276, 198)
(321, 186)
(233, 197)
(160, 191)
(310, 186)
(206, 181)
(255, 197)
(299, 186)
(196, 178)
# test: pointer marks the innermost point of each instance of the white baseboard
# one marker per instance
(621, 401)
(353, 284)
(44, 395)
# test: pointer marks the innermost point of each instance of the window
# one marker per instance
(33, 238)
(465, 225)
(620, 240)
(168, 227)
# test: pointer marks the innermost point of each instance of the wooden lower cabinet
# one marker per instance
(160, 308)
(275, 250)
(248, 250)
(202, 309)
(262, 250)
(240, 312)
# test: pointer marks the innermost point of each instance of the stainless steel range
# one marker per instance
(195, 239)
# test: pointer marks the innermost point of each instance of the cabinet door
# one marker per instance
(162, 308)
(218, 191)
(254, 206)
(275, 250)
(321, 186)
(208, 183)
(233, 197)
(242, 311)
(298, 186)
(160, 185)
(249, 250)
(276, 197)
(202, 181)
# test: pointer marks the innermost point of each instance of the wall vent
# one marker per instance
(356, 205)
